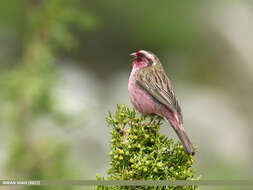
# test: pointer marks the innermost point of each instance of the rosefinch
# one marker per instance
(150, 92)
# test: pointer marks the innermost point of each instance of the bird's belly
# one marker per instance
(141, 100)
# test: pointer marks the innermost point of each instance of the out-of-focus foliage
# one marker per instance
(27, 88)
(140, 152)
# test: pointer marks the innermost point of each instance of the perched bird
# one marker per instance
(150, 92)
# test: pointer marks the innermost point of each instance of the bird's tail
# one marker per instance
(188, 147)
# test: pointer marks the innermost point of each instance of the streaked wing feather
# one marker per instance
(157, 84)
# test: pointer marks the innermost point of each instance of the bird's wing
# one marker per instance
(156, 83)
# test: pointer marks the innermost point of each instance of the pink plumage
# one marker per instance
(142, 101)
(150, 92)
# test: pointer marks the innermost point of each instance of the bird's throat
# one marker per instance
(140, 63)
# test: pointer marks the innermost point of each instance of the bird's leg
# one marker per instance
(154, 119)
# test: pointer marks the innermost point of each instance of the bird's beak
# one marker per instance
(133, 54)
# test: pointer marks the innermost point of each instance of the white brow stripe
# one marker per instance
(148, 55)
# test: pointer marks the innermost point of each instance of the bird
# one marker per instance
(151, 93)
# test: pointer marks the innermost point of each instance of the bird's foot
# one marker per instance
(156, 117)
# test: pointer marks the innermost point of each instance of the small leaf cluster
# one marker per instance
(140, 152)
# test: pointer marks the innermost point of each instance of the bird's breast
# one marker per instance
(140, 99)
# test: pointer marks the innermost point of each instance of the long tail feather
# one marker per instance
(188, 147)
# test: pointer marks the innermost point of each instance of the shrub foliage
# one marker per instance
(140, 152)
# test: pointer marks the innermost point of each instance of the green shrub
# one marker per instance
(140, 152)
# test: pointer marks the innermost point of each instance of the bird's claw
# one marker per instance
(152, 122)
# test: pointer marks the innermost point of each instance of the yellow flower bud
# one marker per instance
(148, 162)
(115, 156)
(159, 164)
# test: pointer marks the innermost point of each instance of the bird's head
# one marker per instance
(144, 59)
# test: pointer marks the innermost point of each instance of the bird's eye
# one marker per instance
(141, 55)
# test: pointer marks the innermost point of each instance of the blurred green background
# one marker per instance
(64, 64)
